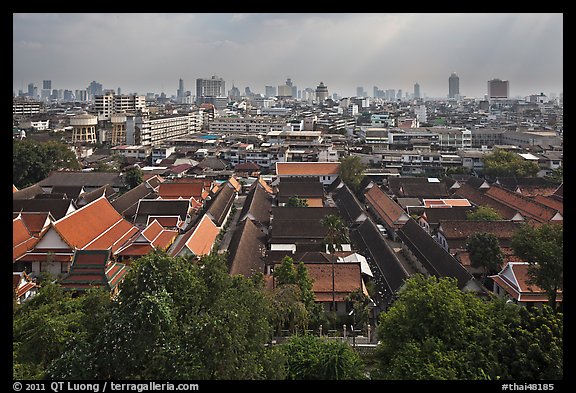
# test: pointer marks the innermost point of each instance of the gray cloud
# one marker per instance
(149, 52)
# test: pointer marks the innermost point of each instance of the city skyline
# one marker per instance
(150, 52)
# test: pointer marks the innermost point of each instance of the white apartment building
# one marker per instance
(142, 129)
(249, 125)
(108, 104)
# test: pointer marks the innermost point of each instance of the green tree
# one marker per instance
(337, 234)
(315, 358)
(485, 213)
(543, 247)
(295, 201)
(293, 301)
(485, 252)
(179, 319)
(435, 331)
(42, 328)
(133, 176)
(506, 164)
(361, 305)
(352, 172)
(33, 161)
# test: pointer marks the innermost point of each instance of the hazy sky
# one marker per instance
(147, 52)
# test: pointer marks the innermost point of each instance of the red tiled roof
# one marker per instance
(307, 168)
(514, 279)
(391, 212)
(550, 202)
(524, 205)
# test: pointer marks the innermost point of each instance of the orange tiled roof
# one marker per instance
(22, 239)
(200, 240)
(235, 184)
(96, 225)
(550, 202)
(386, 207)
(446, 202)
(347, 278)
(307, 168)
(185, 190)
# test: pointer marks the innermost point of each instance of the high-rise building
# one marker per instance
(360, 92)
(213, 87)
(270, 91)
(416, 91)
(497, 88)
(322, 92)
(31, 90)
(180, 91)
(47, 84)
(453, 86)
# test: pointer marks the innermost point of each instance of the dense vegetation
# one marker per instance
(178, 319)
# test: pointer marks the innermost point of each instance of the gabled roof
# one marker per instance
(161, 207)
(127, 203)
(385, 207)
(93, 268)
(246, 250)
(480, 198)
(286, 190)
(514, 279)
(431, 255)
(348, 205)
(369, 242)
(221, 204)
(87, 197)
(526, 206)
(21, 284)
(22, 239)
(235, 184)
(434, 215)
(36, 223)
(184, 190)
(457, 231)
(95, 226)
(307, 168)
(86, 179)
(347, 278)
(420, 187)
(529, 186)
(198, 241)
(71, 191)
(257, 205)
(28, 192)
(550, 201)
(58, 208)
(154, 236)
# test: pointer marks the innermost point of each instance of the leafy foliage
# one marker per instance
(310, 357)
(295, 201)
(133, 177)
(33, 161)
(436, 331)
(484, 213)
(543, 248)
(352, 171)
(508, 164)
(485, 252)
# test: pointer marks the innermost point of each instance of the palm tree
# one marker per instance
(336, 236)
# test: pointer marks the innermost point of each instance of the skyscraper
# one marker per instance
(322, 92)
(416, 91)
(180, 91)
(453, 86)
(497, 88)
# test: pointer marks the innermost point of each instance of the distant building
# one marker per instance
(417, 91)
(212, 87)
(322, 92)
(497, 88)
(453, 86)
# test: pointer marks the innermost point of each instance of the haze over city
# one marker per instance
(149, 52)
